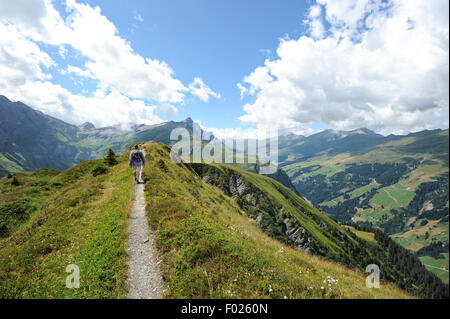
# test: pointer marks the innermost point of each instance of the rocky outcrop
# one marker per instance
(273, 219)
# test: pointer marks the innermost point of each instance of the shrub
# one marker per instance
(99, 170)
(15, 182)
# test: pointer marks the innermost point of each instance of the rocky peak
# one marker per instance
(86, 126)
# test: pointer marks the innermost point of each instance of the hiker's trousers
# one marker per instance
(138, 169)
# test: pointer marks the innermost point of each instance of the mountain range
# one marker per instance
(362, 179)
(222, 232)
(398, 183)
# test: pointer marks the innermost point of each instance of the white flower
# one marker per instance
(321, 287)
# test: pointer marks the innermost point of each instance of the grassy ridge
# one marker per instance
(80, 220)
(211, 249)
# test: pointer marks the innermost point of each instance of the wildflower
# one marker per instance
(322, 287)
(285, 297)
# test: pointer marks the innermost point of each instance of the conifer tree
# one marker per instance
(110, 158)
(15, 182)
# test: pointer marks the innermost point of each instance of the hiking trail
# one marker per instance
(144, 279)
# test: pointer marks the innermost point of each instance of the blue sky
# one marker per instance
(237, 67)
(220, 41)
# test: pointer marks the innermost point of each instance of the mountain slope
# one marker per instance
(30, 140)
(209, 247)
(53, 219)
(285, 216)
(389, 182)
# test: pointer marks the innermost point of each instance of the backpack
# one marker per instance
(137, 157)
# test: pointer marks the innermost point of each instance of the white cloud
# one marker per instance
(23, 67)
(20, 59)
(201, 90)
(113, 62)
(102, 109)
(314, 21)
(168, 110)
(62, 51)
(242, 89)
(125, 79)
(381, 66)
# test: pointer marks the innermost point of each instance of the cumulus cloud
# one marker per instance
(20, 59)
(314, 21)
(24, 78)
(201, 90)
(130, 88)
(378, 65)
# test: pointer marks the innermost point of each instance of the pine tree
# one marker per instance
(15, 182)
(110, 158)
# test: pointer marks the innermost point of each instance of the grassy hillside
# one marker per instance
(210, 247)
(396, 183)
(50, 219)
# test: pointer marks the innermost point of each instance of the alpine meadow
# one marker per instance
(252, 153)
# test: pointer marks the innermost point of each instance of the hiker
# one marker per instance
(137, 161)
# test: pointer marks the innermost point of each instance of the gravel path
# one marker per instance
(144, 279)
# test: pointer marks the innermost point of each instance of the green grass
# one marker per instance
(81, 220)
(9, 165)
(211, 249)
(433, 265)
(353, 194)
(367, 236)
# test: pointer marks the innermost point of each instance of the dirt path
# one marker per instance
(389, 194)
(144, 279)
(436, 267)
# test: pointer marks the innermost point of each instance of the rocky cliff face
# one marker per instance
(258, 205)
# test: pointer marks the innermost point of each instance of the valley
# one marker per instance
(396, 183)
(362, 181)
